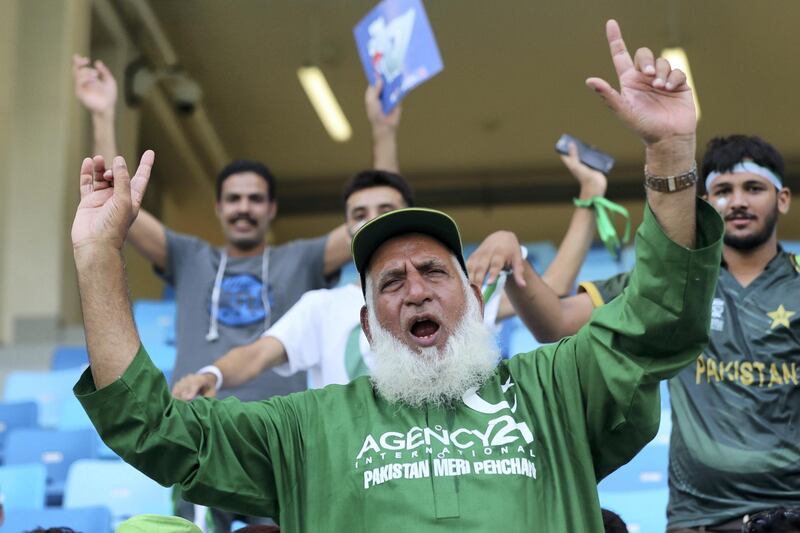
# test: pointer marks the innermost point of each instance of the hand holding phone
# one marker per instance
(589, 155)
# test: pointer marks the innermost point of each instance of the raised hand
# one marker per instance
(592, 182)
(654, 99)
(377, 119)
(95, 86)
(110, 200)
(193, 385)
(497, 252)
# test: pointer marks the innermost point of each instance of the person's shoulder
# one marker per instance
(184, 241)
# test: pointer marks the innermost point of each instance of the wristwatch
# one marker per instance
(671, 183)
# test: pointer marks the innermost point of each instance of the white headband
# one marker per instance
(747, 167)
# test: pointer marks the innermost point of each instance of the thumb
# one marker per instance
(609, 95)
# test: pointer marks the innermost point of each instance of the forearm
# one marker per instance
(244, 363)
(675, 211)
(537, 305)
(148, 236)
(111, 336)
(563, 271)
(337, 250)
(105, 142)
(384, 149)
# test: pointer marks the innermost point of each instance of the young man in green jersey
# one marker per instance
(735, 446)
(442, 436)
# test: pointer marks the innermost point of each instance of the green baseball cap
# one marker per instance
(377, 231)
(155, 523)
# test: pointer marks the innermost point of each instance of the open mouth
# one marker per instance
(424, 329)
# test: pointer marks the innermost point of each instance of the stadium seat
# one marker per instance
(155, 321)
(514, 338)
(54, 449)
(118, 486)
(48, 389)
(69, 357)
(645, 511)
(646, 471)
(15, 415)
(599, 265)
(23, 486)
(85, 520)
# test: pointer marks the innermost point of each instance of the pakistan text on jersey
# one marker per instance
(516, 466)
(748, 373)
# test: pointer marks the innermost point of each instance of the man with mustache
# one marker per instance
(442, 436)
(735, 446)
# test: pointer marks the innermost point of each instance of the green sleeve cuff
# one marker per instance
(710, 232)
(150, 387)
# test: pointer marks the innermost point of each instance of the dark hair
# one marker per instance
(777, 520)
(52, 530)
(379, 178)
(723, 153)
(612, 523)
(244, 165)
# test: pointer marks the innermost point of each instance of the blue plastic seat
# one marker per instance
(646, 471)
(54, 449)
(48, 389)
(23, 486)
(15, 415)
(514, 338)
(85, 520)
(69, 357)
(155, 321)
(644, 511)
(116, 485)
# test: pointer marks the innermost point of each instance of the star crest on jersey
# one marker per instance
(780, 317)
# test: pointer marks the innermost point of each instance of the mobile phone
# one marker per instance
(589, 155)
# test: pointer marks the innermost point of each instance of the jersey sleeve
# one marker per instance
(222, 453)
(300, 331)
(603, 291)
(657, 326)
(182, 252)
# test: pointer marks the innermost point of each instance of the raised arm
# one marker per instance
(384, 157)
(96, 89)
(109, 205)
(238, 366)
(655, 102)
(384, 129)
(561, 273)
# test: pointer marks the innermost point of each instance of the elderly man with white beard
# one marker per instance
(442, 436)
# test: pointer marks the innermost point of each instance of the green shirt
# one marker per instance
(523, 452)
(735, 445)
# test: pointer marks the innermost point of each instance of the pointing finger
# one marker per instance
(619, 53)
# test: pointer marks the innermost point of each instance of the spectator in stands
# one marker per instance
(778, 520)
(442, 436)
(322, 333)
(227, 297)
(735, 446)
(613, 523)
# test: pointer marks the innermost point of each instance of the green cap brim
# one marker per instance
(377, 231)
(150, 523)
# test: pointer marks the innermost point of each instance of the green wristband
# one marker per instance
(605, 228)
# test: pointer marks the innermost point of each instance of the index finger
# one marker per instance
(619, 53)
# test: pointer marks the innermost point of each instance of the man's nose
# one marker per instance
(418, 291)
(738, 198)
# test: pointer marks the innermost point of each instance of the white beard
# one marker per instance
(432, 376)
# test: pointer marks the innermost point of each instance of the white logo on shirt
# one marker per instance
(717, 310)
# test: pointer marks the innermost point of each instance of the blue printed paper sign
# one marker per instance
(396, 40)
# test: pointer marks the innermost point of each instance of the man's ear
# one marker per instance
(365, 323)
(477, 292)
(784, 200)
(273, 210)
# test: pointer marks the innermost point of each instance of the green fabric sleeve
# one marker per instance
(655, 328)
(603, 291)
(223, 453)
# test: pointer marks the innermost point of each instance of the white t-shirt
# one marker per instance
(322, 334)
